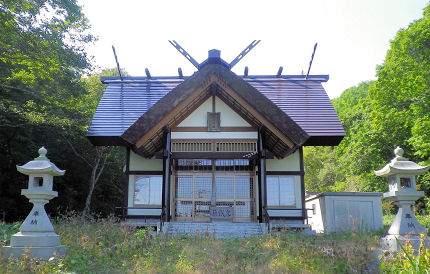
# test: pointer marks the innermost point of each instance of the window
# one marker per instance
(280, 191)
(147, 190)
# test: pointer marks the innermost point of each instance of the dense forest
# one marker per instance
(49, 91)
(48, 95)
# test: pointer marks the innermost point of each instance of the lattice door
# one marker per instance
(236, 191)
(193, 197)
(193, 192)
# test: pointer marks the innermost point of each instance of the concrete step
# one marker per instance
(219, 230)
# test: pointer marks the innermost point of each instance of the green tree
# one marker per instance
(106, 161)
(403, 88)
(392, 111)
(322, 168)
(43, 99)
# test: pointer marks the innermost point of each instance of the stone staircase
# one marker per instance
(220, 230)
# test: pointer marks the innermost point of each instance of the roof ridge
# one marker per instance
(133, 79)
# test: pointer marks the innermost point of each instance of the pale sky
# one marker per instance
(353, 36)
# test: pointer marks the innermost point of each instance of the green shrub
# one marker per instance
(408, 260)
(6, 230)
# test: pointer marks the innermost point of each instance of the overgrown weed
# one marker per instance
(97, 245)
(407, 260)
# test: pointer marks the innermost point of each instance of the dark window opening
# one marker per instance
(38, 181)
(405, 182)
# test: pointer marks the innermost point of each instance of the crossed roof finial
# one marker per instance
(232, 63)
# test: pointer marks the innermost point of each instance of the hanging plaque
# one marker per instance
(224, 213)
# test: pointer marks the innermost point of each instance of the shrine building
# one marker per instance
(215, 144)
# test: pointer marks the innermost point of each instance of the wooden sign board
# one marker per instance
(221, 213)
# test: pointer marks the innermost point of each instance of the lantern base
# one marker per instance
(394, 243)
(41, 245)
(43, 253)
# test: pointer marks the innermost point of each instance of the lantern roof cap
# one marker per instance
(401, 165)
(40, 165)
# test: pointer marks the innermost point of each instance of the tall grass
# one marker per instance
(106, 246)
(407, 260)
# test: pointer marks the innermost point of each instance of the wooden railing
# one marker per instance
(214, 146)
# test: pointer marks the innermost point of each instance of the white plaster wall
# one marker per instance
(229, 118)
(139, 163)
(289, 163)
(315, 220)
(198, 117)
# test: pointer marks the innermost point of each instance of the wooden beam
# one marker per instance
(146, 172)
(127, 173)
(148, 75)
(279, 72)
(222, 129)
(262, 196)
(209, 155)
(284, 173)
(243, 53)
(184, 53)
(302, 183)
(193, 100)
(166, 175)
(216, 140)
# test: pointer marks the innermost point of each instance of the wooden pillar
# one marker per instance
(124, 210)
(166, 175)
(302, 184)
(262, 196)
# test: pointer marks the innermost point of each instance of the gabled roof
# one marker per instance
(299, 108)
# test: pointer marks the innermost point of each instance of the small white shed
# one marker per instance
(342, 211)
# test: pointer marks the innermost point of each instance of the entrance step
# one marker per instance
(218, 230)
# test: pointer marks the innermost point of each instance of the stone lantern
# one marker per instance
(402, 191)
(36, 236)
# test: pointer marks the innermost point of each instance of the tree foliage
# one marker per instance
(46, 99)
(393, 110)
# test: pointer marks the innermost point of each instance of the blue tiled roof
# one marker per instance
(305, 101)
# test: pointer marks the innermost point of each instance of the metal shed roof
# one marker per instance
(305, 101)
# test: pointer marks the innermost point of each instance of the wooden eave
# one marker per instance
(281, 134)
